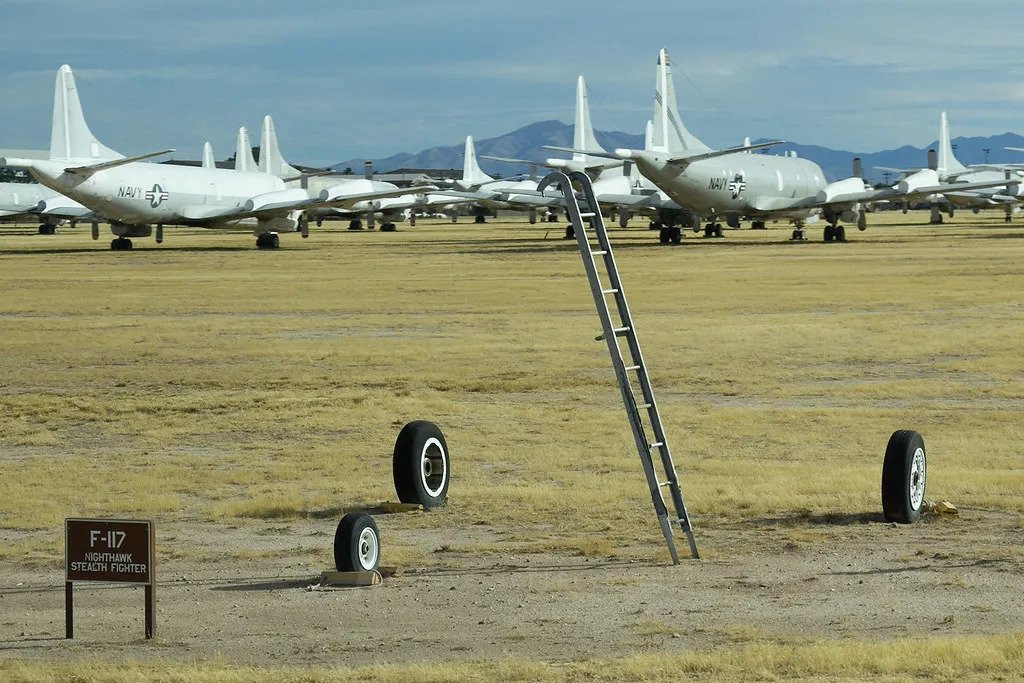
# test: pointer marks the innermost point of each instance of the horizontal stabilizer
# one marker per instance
(336, 196)
(690, 158)
(102, 166)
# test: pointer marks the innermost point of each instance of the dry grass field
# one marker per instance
(245, 400)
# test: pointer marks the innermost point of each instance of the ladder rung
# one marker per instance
(613, 290)
(664, 483)
(632, 367)
(599, 252)
(656, 444)
(645, 406)
(619, 331)
(587, 214)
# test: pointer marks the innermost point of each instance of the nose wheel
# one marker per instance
(268, 240)
(121, 244)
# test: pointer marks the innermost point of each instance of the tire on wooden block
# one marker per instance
(357, 543)
(904, 476)
(420, 465)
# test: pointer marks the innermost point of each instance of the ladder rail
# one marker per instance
(611, 334)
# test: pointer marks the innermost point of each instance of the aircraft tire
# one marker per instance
(355, 224)
(840, 233)
(570, 232)
(357, 543)
(675, 234)
(480, 218)
(829, 233)
(904, 477)
(718, 230)
(663, 235)
(387, 227)
(420, 465)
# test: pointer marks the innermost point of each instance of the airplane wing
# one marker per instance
(777, 204)
(89, 169)
(683, 159)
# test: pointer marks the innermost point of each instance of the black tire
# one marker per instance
(663, 236)
(904, 477)
(355, 224)
(840, 233)
(357, 543)
(830, 233)
(387, 227)
(718, 230)
(421, 465)
(570, 232)
(480, 218)
(675, 235)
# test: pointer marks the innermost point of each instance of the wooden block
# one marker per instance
(350, 578)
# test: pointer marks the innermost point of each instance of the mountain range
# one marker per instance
(528, 143)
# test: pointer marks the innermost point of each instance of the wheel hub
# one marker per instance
(917, 479)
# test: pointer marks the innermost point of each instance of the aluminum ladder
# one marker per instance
(644, 418)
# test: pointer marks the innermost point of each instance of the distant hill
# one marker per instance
(528, 142)
(524, 143)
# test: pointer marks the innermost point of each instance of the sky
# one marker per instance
(347, 79)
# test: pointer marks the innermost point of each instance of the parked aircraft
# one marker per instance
(133, 196)
(947, 168)
(759, 186)
(24, 200)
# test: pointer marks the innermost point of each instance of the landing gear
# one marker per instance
(570, 232)
(267, 240)
(936, 218)
(835, 233)
(387, 227)
(758, 225)
(412, 220)
(47, 229)
(533, 216)
(623, 218)
(551, 217)
(355, 224)
(670, 235)
(1008, 217)
(798, 234)
(121, 244)
(713, 230)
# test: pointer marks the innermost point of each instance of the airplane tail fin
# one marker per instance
(471, 172)
(947, 163)
(649, 135)
(208, 161)
(670, 135)
(70, 137)
(271, 160)
(243, 152)
(583, 129)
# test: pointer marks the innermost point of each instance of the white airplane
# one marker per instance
(945, 167)
(733, 181)
(134, 196)
(391, 203)
(24, 200)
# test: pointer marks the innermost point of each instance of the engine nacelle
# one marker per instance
(924, 178)
(277, 199)
(125, 230)
(841, 188)
(289, 223)
(61, 206)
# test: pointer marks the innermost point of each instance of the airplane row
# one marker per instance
(676, 180)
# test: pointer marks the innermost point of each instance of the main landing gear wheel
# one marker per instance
(420, 465)
(355, 224)
(570, 232)
(672, 234)
(387, 227)
(267, 240)
(798, 235)
(45, 229)
(357, 543)
(121, 244)
(904, 476)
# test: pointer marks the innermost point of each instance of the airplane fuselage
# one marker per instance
(144, 193)
(733, 183)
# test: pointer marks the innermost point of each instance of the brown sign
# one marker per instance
(113, 550)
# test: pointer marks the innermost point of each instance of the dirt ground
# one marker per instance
(785, 580)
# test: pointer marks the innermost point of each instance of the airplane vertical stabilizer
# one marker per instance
(271, 160)
(649, 135)
(471, 172)
(947, 163)
(208, 161)
(670, 135)
(70, 137)
(583, 129)
(244, 160)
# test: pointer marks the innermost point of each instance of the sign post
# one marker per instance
(109, 551)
